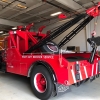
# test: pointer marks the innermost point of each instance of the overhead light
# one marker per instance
(14, 28)
(6, 1)
(21, 6)
(55, 14)
(1, 32)
(5, 34)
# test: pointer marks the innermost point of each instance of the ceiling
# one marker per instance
(28, 11)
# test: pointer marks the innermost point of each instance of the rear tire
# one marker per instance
(41, 82)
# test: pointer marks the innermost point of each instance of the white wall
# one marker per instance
(78, 40)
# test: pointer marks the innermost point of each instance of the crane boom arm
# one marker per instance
(92, 12)
(74, 32)
(56, 33)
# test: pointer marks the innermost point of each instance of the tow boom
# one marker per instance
(92, 12)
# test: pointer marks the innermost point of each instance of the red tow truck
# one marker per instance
(51, 72)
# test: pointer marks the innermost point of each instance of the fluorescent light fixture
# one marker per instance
(14, 28)
(5, 34)
(55, 14)
(1, 32)
(6, 1)
(21, 6)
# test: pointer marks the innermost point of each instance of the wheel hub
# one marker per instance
(40, 82)
(43, 81)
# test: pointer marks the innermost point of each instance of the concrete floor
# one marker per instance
(15, 87)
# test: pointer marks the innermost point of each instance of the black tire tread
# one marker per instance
(47, 94)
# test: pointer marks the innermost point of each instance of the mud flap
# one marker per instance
(62, 89)
(86, 80)
(97, 76)
(92, 78)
